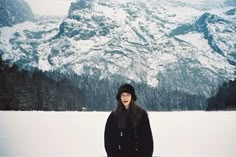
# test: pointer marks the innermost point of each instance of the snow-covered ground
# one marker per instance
(80, 134)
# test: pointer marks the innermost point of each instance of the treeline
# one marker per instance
(225, 98)
(23, 90)
(50, 91)
(100, 94)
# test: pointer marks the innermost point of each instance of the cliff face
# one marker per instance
(13, 12)
(21, 90)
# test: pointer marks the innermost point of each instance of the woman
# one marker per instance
(127, 131)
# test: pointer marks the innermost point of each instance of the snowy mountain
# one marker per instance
(172, 45)
(13, 12)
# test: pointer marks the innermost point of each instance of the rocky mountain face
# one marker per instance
(13, 12)
(230, 3)
(175, 53)
(215, 40)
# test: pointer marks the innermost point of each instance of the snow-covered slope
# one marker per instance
(172, 44)
(13, 12)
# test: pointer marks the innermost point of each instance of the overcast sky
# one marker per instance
(60, 7)
(50, 7)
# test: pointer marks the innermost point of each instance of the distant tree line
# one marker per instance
(24, 90)
(225, 98)
(51, 91)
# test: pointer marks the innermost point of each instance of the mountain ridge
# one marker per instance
(128, 41)
(14, 11)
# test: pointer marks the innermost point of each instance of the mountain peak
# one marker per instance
(14, 11)
(231, 12)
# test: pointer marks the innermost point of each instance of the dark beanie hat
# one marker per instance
(128, 89)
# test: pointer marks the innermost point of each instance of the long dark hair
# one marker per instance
(127, 118)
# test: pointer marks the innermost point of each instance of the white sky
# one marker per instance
(60, 7)
(50, 7)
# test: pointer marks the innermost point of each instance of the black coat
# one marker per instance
(129, 142)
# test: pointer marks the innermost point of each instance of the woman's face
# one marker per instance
(126, 99)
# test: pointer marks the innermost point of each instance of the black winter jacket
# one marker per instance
(128, 142)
